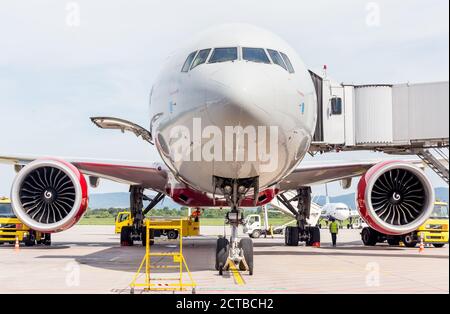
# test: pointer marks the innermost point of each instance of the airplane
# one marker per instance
(232, 115)
(338, 211)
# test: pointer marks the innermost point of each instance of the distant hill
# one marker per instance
(122, 200)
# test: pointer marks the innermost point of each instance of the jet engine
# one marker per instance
(395, 197)
(49, 195)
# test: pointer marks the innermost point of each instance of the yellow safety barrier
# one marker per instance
(177, 262)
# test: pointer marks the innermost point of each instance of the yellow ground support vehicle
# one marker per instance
(191, 225)
(11, 227)
(434, 231)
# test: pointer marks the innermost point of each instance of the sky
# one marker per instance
(64, 61)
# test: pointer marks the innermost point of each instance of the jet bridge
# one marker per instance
(408, 119)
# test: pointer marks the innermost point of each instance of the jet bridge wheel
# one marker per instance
(221, 253)
(246, 245)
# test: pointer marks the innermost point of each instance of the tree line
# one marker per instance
(175, 212)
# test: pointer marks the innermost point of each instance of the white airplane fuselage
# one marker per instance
(338, 211)
(191, 110)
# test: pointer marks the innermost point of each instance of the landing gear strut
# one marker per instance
(302, 232)
(136, 232)
(235, 253)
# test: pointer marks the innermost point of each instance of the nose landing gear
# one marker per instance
(235, 253)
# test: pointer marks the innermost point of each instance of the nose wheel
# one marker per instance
(231, 256)
(234, 254)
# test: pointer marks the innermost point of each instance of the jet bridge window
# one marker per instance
(288, 63)
(276, 58)
(255, 55)
(188, 62)
(223, 55)
(201, 57)
(336, 106)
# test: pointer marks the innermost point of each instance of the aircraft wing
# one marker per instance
(313, 172)
(149, 175)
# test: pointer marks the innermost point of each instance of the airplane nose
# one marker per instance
(240, 97)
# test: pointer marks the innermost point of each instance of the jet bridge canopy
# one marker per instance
(391, 118)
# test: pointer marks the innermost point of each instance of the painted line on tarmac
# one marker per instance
(237, 275)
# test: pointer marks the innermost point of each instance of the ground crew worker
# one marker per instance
(334, 229)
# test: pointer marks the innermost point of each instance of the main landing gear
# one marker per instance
(235, 253)
(303, 232)
(137, 231)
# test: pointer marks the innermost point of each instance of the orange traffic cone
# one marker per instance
(421, 246)
(17, 245)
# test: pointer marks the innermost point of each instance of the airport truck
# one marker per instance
(11, 228)
(256, 227)
(434, 231)
(191, 225)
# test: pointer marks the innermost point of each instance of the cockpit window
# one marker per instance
(288, 63)
(223, 55)
(188, 62)
(276, 58)
(255, 55)
(201, 57)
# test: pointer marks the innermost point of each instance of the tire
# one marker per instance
(314, 236)
(125, 236)
(255, 234)
(247, 246)
(408, 240)
(291, 236)
(221, 253)
(172, 234)
(144, 236)
(438, 245)
(393, 241)
(369, 237)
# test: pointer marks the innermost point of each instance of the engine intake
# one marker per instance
(395, 197)
(49, 195)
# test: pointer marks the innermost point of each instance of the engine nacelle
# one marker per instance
(395, 197)
(49, 195)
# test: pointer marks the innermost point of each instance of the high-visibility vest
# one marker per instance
(334, 227)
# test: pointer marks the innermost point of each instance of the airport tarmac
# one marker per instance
(88, 259)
